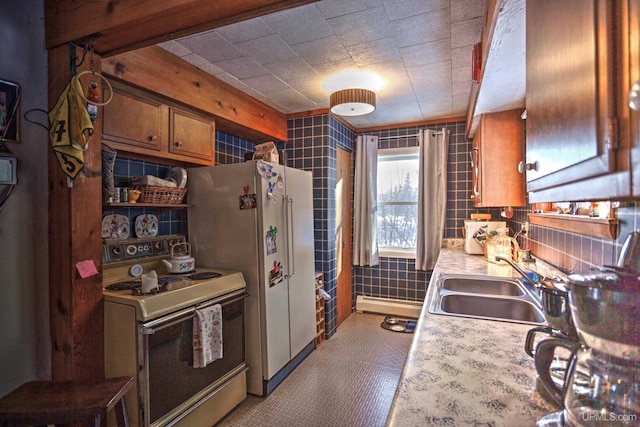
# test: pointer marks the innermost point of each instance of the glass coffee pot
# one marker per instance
(602, 390)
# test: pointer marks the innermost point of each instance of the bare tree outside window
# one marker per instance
(397, 199)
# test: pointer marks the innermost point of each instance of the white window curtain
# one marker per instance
(432, 196)
(365, 236)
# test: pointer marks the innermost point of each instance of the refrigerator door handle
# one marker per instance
(291, 266)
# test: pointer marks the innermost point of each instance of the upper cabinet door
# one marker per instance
(133, 120)
(498, 147)
(573, 132)
(191, 135)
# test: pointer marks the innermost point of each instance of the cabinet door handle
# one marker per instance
(523, 167)
(476, 170)
(178, 144)
(152, 138)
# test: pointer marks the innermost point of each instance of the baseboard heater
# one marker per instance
(395, 307)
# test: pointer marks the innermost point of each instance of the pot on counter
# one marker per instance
(606, 310)
(184, 263)
(555, 306)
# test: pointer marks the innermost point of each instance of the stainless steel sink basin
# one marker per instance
(491, 307)
(482, 297)
(482, 285)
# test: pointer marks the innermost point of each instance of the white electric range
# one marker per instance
(149, 336)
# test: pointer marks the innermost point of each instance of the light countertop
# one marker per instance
(463, 371)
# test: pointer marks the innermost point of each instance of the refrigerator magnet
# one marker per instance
(280, 184)
(270, 194)
(247, 201)
(275, 275)
(264, 169)
(271, 240)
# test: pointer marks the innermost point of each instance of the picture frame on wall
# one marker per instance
(9, 111)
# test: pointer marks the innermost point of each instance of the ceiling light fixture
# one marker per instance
(352, 102)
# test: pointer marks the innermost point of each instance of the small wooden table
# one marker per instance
(61, 402)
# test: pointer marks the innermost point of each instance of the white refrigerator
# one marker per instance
(257, 218)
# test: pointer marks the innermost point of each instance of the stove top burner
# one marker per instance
(164, 283)
(204, 275)
(135, 286)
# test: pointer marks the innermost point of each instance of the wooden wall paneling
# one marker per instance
(124, 25)
(76, 309)
(156, 70)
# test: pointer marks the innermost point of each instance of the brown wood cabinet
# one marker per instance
(139, 123)
(498, 147)
(630, 75)
(191, 135)
(133, 120)
(578, 138)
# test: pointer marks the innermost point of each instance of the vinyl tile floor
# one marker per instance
(349, 381)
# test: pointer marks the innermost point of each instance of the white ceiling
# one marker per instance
(422, 48)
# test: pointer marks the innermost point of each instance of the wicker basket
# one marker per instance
(160, 195)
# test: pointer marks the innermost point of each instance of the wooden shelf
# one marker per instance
(320, 326)
(607, 228)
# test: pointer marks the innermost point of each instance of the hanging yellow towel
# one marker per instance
(207, 335)
(70, 128)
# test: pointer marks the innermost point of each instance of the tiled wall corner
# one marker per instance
(311, 145)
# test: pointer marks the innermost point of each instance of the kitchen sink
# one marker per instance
(482, 285)
(491, 307)
(482, 297)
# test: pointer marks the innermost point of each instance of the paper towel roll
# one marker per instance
(149, 282)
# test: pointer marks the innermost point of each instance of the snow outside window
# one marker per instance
(398, 201)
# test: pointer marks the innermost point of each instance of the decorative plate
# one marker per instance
(115, 227)
(146, 225)
(178, 175)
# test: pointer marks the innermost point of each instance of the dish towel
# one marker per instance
(70, 128)
(207, 335)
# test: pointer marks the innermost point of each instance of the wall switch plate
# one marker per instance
(8, 170)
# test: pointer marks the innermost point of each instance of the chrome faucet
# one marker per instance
(518, 269)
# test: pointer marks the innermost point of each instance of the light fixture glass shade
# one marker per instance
(352, 102)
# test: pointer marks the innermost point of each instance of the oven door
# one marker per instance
(169, 384)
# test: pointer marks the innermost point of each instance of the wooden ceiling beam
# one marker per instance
(120, 26)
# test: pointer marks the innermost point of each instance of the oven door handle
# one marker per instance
(179, 316)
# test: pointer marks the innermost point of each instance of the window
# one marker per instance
(398, 201)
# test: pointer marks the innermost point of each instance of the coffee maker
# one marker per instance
(554, 351)
(602, 382)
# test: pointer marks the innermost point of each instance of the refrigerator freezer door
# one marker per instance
(224, 236)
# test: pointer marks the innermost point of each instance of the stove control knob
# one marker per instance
(158, 244)
(116, 250)
(147, 247)
(131, 249)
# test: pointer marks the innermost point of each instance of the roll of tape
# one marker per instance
(135, 270)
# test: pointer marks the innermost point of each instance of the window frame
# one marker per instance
(390, 251)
